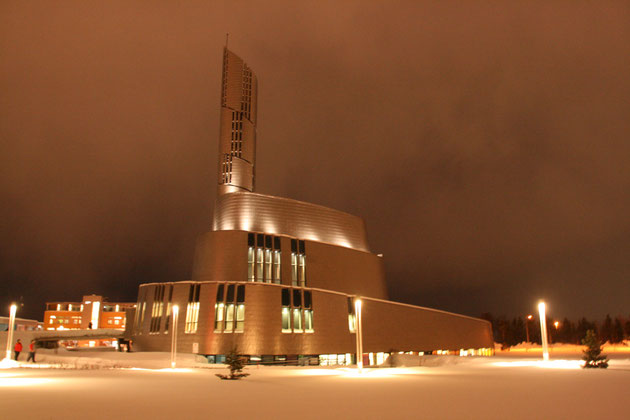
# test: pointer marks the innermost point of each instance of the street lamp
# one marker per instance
(12, 311)
(543, 330)
(174, 337)
(359, 334)
(529, 318)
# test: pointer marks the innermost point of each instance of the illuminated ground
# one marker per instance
(488, 388)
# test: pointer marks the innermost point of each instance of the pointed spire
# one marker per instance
(227, 35)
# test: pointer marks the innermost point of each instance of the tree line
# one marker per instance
(510, 332)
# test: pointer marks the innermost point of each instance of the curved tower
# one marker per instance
(237, 138)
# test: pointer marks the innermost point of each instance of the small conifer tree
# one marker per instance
(593, 352)
(236, 364)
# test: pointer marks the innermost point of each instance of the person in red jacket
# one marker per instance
(17, 349)
(31, 352)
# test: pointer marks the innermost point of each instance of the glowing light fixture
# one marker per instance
(12, 311)
(543, 330)
(96, 306)
(529, 318)
(359, 334)
(174, 337)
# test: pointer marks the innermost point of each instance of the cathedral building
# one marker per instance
(284, 280)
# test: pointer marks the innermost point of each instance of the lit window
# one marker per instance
(240, 317)
(268, 266)
(250, 256)
(297, 311)
(229, 309)
(219, 309)
(250, 264)
(192, 310)
(352, 319)
(158, 306)
(229, 317)
(276, 267)
(302, 270)
(167, 321)
(259, 264)
(308, 320)
(294, 269)
(263, 258)
(298, 263)
(286, 319)
(308, 311)
(229, 313)
(286, 310)
(240, 309)
(297, 320)
(139, 319)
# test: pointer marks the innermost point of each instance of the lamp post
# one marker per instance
(12, 311)
(556, 324)
(543, 330)
(359, 334)
(529, 318)
(174, 337)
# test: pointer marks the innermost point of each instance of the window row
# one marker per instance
(263, 258)
(297, 311)
(246, 98)
(64, 307)
(229, 309)
(226, 168)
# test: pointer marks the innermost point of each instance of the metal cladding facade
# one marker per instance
(387, 325)
(237, 137)
(283, 216)
(280, 278)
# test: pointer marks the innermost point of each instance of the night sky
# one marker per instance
(487, 145)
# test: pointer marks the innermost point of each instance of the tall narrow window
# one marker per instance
(156, 311)
(286, 310)
(308, 311)
(268, 267)
(192, 310)
(276, 260)
(298, 263)
(240, 309)
(297, 310)
(229, 317)
(301, 264)
(260, 243)
(219, 307)
(294, 263)
(352, 319)
(229, 309)
(250, 257)
(142, 304)
(263, 258)
(167, 321)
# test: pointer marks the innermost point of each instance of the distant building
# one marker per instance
(93, 312)
(281, 279)
(21, 324)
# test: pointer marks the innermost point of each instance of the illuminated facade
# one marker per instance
(278, 278)
(91, 313)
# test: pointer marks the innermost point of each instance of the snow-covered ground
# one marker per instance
(501, 387)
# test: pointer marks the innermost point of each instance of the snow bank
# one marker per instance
(95, 359)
